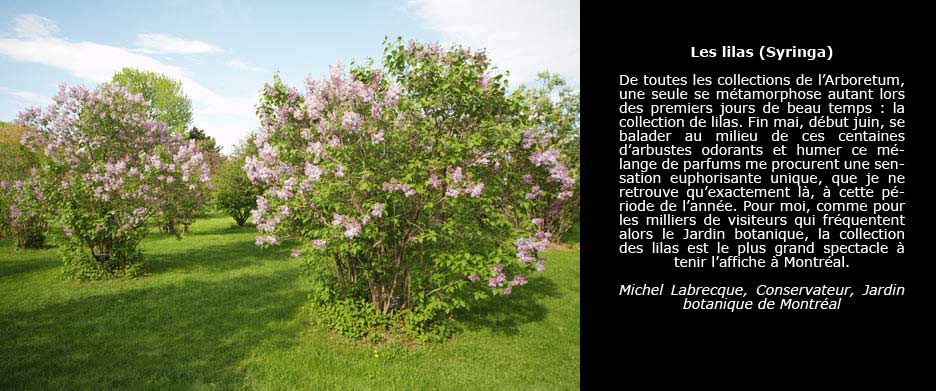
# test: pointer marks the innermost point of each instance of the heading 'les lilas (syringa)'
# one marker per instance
(107, 168)
(393, 173)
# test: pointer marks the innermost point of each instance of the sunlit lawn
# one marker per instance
(217, 312)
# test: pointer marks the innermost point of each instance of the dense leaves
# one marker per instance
(22, 215)
(234, 193)
(168, 103)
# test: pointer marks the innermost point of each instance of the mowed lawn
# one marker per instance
(217, 312)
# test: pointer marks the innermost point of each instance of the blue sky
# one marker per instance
(223, 51)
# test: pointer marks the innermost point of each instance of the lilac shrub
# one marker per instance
(401, 184)
(555, 116)
(22, 202)
(107, 170)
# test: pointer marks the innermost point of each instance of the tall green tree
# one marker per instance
(204, 141)
(168, 103)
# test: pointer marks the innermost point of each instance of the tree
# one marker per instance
(204, 141)
(555, 108)
(234, 193)
(168, 102)
(401, 183)
(107, 169)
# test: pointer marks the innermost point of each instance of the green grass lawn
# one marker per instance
(216, 312)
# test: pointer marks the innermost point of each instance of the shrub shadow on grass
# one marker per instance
(233, 255)
(25, 262)
(223, 230)
(573, 236)
(192, 335)
(503, 315)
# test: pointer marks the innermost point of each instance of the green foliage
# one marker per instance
(15, 159)
(204, 141)
(234, 193)
(167, 100)
(22, 215)
(125, 259)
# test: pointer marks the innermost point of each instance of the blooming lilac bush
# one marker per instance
(24, 212)
(107, 169)
(555, 116)
(22, 216)
(402, 184)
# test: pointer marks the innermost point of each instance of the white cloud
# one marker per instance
(243, 66)
(26, 96)
(169, 44)
(97, 63)
(39, 43)
(522, 36)
(85, 60)
(32, 26)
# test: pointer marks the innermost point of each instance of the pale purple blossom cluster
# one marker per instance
(558, 172)
(352, 121)
(266, 239)
(457, 177)
(395, 185)
(15, 212)
(535, 191)
(528, 247)
(334, 113)
(518, 280)
(318, 244)
(434, 180)
(499, 277)
(352, 227)
(430, 50)
(484, 81)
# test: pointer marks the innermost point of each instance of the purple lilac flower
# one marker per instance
(319, 244)
(352, 229)
(518, 280)
(434, 181)
(352, 121)
(475, 191)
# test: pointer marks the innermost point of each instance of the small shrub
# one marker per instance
(234, 193)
